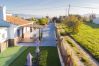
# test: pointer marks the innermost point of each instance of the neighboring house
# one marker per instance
(12, 29)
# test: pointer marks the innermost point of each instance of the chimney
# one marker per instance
(3, 13)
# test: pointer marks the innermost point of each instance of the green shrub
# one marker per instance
(43, 21)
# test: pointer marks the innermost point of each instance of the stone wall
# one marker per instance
(66, 57)
(3, 46)
(13, 42)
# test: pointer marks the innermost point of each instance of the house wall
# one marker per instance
(18, 34)
(26, 32)
(14, 38)
(3, 39)
(3, 34)
(12, 34)
(26, 29)
(3, 46)
(3, 13)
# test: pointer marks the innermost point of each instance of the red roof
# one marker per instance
(16, 20)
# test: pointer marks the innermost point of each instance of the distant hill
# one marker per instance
(26, 16)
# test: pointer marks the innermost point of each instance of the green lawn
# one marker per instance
(88, 37)
(10, 55)
(48, 57)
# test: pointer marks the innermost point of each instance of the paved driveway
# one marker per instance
(48, 39)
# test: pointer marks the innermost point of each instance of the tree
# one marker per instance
(33, 19)
(43, 21)
(72, 23)
(55, 19)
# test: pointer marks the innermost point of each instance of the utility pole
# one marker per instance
(69, 10)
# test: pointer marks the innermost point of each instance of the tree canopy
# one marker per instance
(43, 21)
(72, 23)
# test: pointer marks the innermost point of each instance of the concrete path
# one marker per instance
(48, 39)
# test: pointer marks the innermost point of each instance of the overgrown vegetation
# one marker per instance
(88, 37)
(72, 22)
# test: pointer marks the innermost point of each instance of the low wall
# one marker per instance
(3, 46)
(13, 42)
(67, 58)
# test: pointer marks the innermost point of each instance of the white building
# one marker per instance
(12, 29)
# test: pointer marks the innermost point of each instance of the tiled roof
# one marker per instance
(16, 20)
(4, 23)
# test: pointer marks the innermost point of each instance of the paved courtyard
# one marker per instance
(48, 38)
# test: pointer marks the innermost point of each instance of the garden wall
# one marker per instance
(66, 54)
(3, 46)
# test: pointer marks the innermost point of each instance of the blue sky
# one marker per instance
(50, 7)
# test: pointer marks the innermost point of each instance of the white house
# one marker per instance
(12, 29)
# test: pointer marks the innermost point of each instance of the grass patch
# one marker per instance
(88, 37)
(10, 54)
(48, 57)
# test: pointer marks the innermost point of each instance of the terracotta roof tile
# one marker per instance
(16, 20)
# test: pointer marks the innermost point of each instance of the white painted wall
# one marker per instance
(26, 29)
(12, 31)
(96, 20)
(3, 13)
(3, 34)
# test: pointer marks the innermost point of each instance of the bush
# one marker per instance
(72, 23)
(43, 21)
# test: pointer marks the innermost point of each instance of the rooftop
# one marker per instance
(16, 20)
(4, 24)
